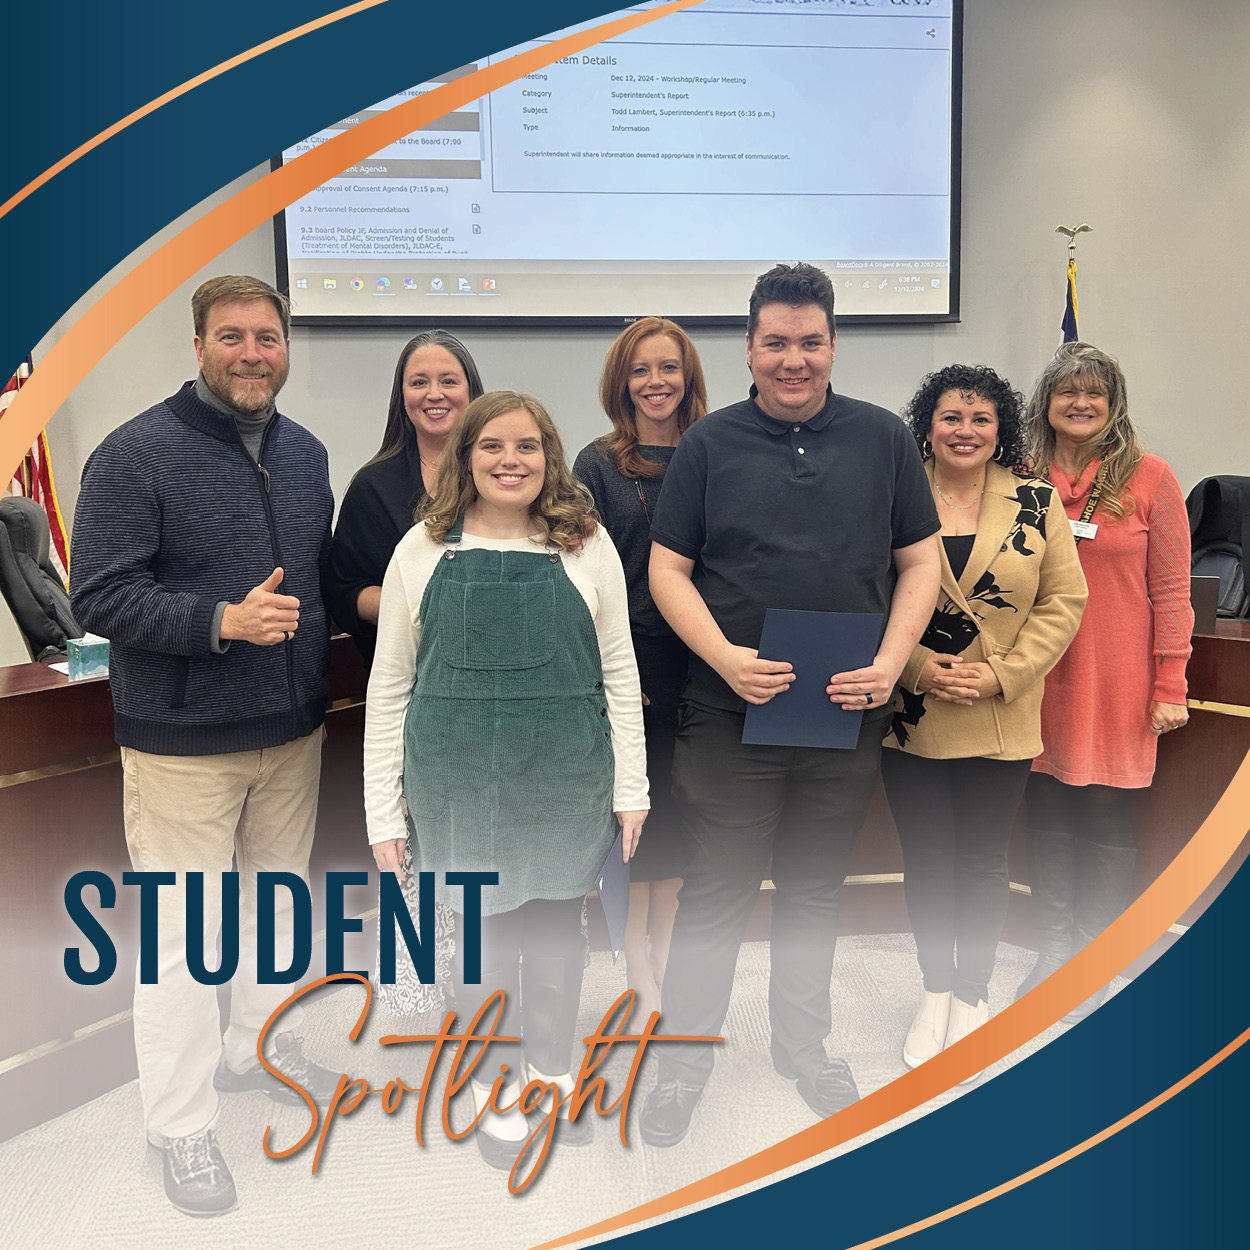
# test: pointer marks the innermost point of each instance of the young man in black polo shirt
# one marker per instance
(795, 498)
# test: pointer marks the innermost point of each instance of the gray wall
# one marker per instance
(1131, 115)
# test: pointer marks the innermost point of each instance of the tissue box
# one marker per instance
(88, 657)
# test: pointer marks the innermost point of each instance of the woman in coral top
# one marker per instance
(1122, 682)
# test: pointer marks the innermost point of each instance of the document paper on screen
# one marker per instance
(659, 170)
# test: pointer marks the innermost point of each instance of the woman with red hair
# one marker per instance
(652, 389)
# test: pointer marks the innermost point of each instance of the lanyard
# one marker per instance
(642, 499)
(1094, 495)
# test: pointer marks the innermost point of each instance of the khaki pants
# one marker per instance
(195, 814)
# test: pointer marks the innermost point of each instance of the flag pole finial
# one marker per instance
(1068, 325)
(1072, 232)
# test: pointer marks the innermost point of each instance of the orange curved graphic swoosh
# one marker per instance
(136, 294)
(161, 100)
(1143, 923)
(1042, 1168)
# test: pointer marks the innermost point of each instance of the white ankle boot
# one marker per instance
(963, 1019)
(928, 1030)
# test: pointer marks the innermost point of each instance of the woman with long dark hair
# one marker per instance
(435, 380)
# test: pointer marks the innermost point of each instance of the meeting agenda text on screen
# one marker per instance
(657, 172)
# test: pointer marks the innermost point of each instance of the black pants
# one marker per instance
(1102, 814)
(665, 851)
(535, 954)
(954, 821)
(804, 807)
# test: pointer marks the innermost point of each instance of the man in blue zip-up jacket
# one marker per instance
(199, 537)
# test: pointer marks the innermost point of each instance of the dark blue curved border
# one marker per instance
(1172, 1179)
(76, 68)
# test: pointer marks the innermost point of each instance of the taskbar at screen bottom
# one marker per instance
(482, 289)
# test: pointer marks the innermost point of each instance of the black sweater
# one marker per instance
(627, 518)
(377, 511)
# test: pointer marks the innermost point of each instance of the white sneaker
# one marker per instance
(928, 1030)
(963, 1019)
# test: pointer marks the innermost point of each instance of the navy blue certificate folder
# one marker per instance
(817, 645)
(614, 895)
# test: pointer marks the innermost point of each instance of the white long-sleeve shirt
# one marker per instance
(597, 576)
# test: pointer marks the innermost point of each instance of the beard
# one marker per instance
(248, 397)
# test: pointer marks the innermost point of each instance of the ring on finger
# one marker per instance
(868, 698)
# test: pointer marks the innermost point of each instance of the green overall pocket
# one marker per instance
(506, 625)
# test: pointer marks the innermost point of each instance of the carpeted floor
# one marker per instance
(86, 1181)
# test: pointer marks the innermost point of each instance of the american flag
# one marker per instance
(1068, 324)
(33, 478)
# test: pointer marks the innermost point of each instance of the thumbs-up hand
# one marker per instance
(264, 617)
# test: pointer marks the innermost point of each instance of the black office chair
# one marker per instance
(1219, 528)
(30, 585)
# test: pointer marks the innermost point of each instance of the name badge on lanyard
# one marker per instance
(1084, 528)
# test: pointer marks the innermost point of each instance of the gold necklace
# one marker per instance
(956, 507)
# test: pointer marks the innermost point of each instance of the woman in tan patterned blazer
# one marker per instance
(967, 715)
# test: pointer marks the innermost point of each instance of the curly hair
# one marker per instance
(621, 446)
(564, 509)
(983, 382)
(1118, 445)
(795, 285)
(399, 432)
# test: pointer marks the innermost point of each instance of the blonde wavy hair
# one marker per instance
(563, 510)
(1118, 445)
(622, 444)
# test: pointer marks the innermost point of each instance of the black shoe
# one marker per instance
(1045, 966)
(667, 1112)
(784, 1068)
(1088, 1007)
(831, 1090)
(197, 1180)
(497, 1151)
(579, 1132)
(291, 1062)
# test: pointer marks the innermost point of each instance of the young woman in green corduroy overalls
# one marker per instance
(504, 709)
